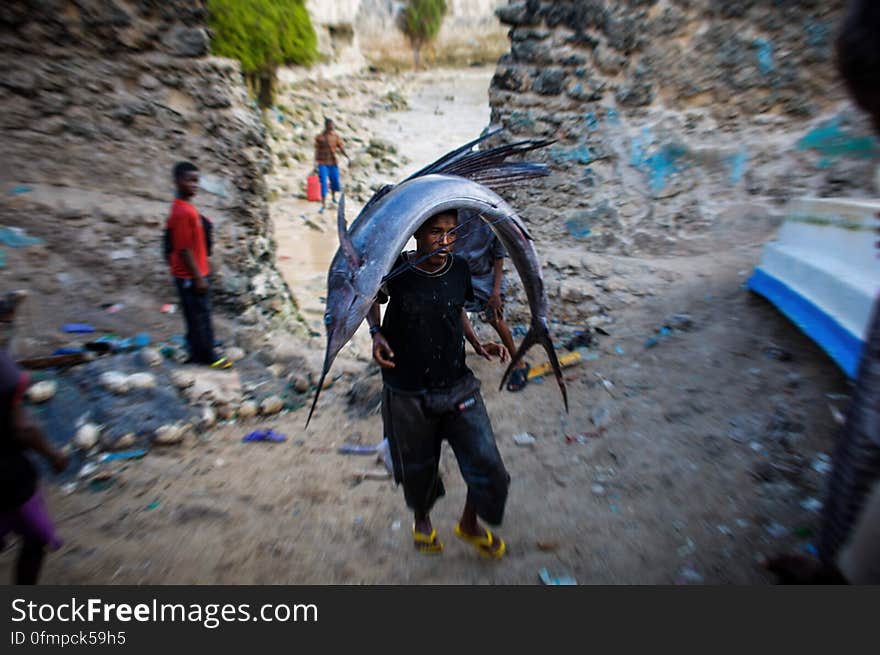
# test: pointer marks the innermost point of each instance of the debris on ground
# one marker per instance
(264, 435)
(555, 580)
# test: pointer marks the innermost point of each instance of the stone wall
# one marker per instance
(98, 99)
(668, 111)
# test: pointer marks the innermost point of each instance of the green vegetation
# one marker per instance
(263, 35)
(420, 22)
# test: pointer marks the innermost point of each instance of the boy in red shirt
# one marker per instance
(188, 261)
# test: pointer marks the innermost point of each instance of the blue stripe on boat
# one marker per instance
(842, 346)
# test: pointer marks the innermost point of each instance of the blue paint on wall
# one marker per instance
(765, 55)
(592, 121)
(663, 163)
(738, 164)
(831, 140)
(580, 154)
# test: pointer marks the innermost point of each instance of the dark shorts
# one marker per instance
(416, 425)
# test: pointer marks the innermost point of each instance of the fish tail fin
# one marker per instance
(538, 333)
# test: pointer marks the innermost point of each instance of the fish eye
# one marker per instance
(328, 318)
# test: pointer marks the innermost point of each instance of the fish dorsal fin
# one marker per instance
(345, 241)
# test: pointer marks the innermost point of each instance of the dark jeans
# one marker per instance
(416, 425)
(197, 314)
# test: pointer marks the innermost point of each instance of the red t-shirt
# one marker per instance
(187, 234)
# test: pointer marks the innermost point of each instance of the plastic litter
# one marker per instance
(152, 505)
(555, 580)
(357, 449)
(384, 451)
(67, 351)
(78, 328)
(113, 309)
(122, 454)
(524, 439)
(17, 191)
(15, 237)
(264, 435)
(168, 308)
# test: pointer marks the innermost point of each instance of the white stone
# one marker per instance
(87, 436)
(114, 381)
(151, 357)
(208, 417)
(182, 379)
(170, 434)
(42, 391)
(234, 354)
(271, 405)
(248, 409)
(524, 439)
(142, 381)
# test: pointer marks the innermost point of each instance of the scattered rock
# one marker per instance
(87, 436)
(276, 369)
(226, 411)
(207, 418)
(150, 357)
(114, 382)
(248, 409)
(182, 379)
(41, 391)
(170, 434)
(141, 381)
(234, 354)
(271, 405)
(301, 384)
(524, 439)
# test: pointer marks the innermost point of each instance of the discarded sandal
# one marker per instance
(427, 543)
(484, 544)
(222, 363)
(518, 378)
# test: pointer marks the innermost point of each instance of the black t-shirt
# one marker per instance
(423, 325)
(18, 479)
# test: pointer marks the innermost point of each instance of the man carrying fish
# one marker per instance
(430, 394)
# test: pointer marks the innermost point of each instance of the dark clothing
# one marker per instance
(18, 478)
(416, 424)
(478, 245)
(197, 314)
(423, 325)
(856, 462)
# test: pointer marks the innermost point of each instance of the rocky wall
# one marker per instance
(668, 112)
(98, 100)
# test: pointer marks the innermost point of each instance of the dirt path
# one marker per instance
(706, 456)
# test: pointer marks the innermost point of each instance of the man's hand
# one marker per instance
(495, 305)
(382, 353)
(490, 350)
(200, 285)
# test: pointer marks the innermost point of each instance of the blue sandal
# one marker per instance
(518, 378)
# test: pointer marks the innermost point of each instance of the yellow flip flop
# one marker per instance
(427, 543)
(222, 363)
(483, 544)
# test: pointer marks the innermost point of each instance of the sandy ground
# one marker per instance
(707, 459)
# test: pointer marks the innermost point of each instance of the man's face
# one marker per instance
(188, 184)
(437, 232)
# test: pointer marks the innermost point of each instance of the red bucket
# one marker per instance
(313, 188)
